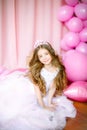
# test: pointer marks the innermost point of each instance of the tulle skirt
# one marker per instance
(19, 109)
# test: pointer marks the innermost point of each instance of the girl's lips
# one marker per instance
(45, 60)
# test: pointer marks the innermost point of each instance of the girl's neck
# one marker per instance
(50, 68)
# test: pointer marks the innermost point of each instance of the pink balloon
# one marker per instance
(4, 71)
(18, 70)
(72, 39)
(63, 45)
(84, 1)
(85, 23)
(77, 91)
(65, 13)
(72, 2)
(81, 11)
(83, 35)
(74, 24)
(76, 65)
(82, 47)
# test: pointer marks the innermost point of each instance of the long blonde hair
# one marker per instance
(35, 67)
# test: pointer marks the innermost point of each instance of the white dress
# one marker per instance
(19, 109)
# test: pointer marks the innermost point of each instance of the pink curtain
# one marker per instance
(22, 22)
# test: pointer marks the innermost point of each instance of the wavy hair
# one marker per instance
(35, 67)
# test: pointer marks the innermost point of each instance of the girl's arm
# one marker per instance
(51, 107)
(39, 96)
(51, 93)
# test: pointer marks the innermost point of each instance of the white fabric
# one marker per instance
(19, 109)
(48, 77)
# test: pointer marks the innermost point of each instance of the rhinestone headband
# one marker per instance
(38, 43)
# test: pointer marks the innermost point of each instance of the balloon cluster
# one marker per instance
(73, 15)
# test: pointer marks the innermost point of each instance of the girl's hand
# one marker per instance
(51, 107)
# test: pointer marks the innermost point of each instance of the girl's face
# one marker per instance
(44, 56)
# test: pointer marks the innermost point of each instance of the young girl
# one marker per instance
(35, 100)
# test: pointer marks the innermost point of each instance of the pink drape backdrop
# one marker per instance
(22, 22)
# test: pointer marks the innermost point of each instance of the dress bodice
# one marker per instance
(48, 77)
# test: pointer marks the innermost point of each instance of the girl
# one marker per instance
(36, 101)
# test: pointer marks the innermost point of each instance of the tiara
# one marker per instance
(38, 43)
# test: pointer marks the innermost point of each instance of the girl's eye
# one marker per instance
(40, 56)
(46, 53)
